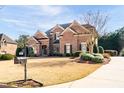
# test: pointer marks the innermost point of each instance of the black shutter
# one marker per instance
(80, 47)
(55, 37)
(64, 49)
(71, 49)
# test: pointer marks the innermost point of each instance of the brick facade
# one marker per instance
(40, 44)
(74, 34)
(64, 38)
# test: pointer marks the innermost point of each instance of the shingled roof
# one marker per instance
(62, 25)
(87, 26)
(8, 40)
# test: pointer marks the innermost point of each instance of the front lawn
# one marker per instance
(48, 71)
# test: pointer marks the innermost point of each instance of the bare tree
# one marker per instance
(96, 19)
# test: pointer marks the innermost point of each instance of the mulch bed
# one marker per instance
(30, 83)
(5, 86)
(105, 61)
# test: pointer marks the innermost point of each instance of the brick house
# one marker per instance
(40, 43)
(7, 45)
(66, 38)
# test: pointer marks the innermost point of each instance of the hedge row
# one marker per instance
(122, 52)
(76, 54)
(112, 52)
(98, 49)
(6, 56)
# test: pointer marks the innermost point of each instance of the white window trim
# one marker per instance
(68, 29)
(57, 35)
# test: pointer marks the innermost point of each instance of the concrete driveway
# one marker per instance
(108, 76)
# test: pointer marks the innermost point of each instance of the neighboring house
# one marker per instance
(7, 45)
(66, 38)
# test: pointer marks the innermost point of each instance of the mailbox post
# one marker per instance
(22, 60)
(25, 64)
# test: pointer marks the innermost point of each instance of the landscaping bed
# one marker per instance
(94, 58)
(25, 84)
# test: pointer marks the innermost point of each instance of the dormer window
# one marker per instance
(4, 42)
(57, 36)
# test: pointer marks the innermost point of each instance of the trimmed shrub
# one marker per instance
(77, 53)
(56, 54)
(95, 49)
(30, 52)
(18, 50)
(101, 50)
(60, 54)
(111, 52)
(67, 54)
(97, 59)
(98, 55)
(122, 52)
(0, 56)
(7, 57)
(87, 56)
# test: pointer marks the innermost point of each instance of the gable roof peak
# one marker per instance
(38, 30)
(8, 39)
(68, 29)
(40, 34)
(74, 21)
(57, 26)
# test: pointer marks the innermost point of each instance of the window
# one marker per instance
(68, 48)
(57, 36)
(96, 41)
(4, 43)
(83, 47)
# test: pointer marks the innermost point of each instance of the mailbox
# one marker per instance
(20, 60)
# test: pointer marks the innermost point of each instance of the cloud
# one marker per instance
(16, 22)
(52, 10)
(46, 10)
(30, 18)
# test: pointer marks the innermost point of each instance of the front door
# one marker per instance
(44, 50)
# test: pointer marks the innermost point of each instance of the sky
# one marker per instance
(17, 20)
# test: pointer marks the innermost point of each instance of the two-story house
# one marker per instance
(7, 45)
(67, 38)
